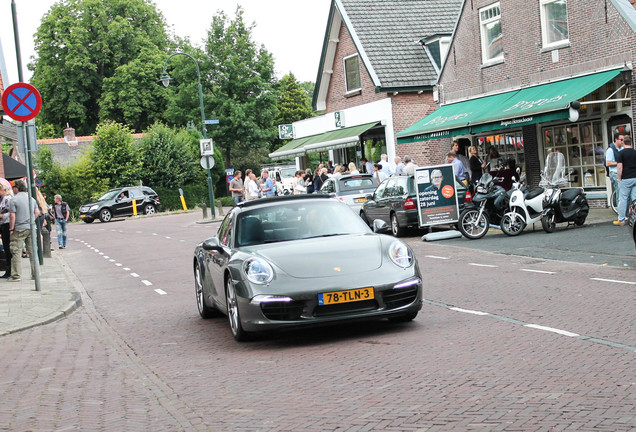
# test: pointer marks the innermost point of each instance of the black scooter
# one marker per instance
(568, 205)
(488, 205)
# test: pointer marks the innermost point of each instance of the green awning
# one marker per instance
(511, 109)
(336, 139)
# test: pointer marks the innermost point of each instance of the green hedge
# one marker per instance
(195, 195)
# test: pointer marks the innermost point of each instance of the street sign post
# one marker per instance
(207, 162)
(22, 102)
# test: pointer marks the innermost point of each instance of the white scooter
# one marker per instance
(526, 207)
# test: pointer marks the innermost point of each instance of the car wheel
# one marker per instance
(149, 209)
(88, 220)
(548, 223)
(404, 318)
(233, 313)
(512, 224)
(105, 215)
(204, 310)
(472, 226)
(396, 229)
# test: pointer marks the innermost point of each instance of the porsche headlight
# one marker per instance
(400, 254)
(258, 271)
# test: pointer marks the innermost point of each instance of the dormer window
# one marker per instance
(491, 34)
(436, 47)
(554, 23)
(352, 73)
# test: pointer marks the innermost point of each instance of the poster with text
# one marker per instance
(436, 195)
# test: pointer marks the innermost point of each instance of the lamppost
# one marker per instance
(165, 80)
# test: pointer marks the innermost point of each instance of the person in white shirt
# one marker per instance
(386, 166)
(353, 169)
(252, 188)
(410, 166)
(399, 165)
(378, 174)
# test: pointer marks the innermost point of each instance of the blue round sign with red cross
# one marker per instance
(21, 101)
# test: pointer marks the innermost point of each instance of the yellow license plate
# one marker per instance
(353, 295)
(361, 200)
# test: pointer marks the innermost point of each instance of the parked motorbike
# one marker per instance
(526, 207)
(488, 205)
(561, 205)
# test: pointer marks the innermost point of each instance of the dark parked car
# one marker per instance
(395, 202)
(351, 189)
(632, 219)
(119, 202)
(273, 265)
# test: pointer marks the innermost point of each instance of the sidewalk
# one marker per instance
(21, 307)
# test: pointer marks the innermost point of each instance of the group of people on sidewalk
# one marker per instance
(15, 224)
(620, 161)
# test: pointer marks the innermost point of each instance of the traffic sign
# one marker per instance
(21, 101)
(229, 178)
(211, 122)
(207, 162)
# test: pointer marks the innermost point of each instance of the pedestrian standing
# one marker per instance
(267, 186)
(62, 213)
(611, 155)
(399, 165)
(6, 194)
(626, 167)
(20, 229)
(475, 164)
(236, 187)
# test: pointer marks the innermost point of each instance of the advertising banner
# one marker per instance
(436, 195)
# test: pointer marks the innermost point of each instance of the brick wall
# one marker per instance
(336, 99)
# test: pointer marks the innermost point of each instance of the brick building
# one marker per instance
(379, 62)
(514, 70)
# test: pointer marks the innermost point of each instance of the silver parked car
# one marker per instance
(352, 189)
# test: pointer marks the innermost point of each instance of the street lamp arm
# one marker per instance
(165, 78)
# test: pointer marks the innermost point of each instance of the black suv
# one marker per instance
(119, 202)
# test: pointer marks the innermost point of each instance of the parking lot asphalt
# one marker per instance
(21, 307)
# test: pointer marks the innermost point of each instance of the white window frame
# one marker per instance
(544, 27)
(344, 66)
(483, 23)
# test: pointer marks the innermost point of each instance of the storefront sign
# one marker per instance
(286, 131)
(436, 195)
(339, 117)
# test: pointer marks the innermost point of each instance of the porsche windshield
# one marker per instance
(297, 220)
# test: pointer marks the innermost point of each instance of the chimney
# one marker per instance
(69, 135)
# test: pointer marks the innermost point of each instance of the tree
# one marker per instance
(167, 158)
(114, 155)
(81, 43)
(293, 104)
(126, 95)
(239, 80)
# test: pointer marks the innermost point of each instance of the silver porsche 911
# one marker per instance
(303, 260)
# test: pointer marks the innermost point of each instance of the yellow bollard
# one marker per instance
(134, 207)
(183, 204)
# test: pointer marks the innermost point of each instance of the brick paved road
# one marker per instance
(503, 343)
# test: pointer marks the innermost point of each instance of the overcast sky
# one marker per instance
(292, 30)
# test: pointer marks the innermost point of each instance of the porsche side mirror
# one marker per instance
(380, 226)
(212, 244)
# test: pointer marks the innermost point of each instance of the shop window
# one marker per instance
(508, 146)
(554, 23)
(582, 145)
(352, 73)
(491, 35)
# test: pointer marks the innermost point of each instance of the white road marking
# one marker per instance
(468, 311)
(146, 282)
(126, 268)
(553, 330)
(437, 257)
(134, 275)
(105, 257)
(160, 291)
(614, 281)
(482, 265)
(168, 237)
(118, 264)
(111, 260)
(537, 271)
